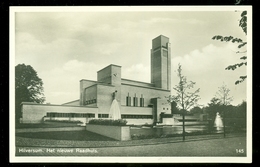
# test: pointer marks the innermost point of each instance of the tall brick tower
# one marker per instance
(161, 62)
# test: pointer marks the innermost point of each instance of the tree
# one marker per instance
(174, 109)
(185, 98)
(225, 100)
(223, 95)
(241, 109)
(241, 44)
(241, 113)
(196, 110)
(213, 107)
(28, 87)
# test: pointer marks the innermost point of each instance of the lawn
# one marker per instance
(66, 135)
(47, 125)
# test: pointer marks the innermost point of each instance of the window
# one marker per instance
(137, 116)
(78, 115)
(66, 114)
(92, 101)
(102, 115)
(89, 115)
(135, 101)
(128, 100)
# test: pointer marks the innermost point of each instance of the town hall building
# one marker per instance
(139, 102)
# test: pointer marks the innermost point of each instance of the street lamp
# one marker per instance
(183, 125)
(224, 124)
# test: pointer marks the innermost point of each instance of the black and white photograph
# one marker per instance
(151, 84)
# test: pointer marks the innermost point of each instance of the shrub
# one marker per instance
(152, 136)
(64, 121)
(110, 122)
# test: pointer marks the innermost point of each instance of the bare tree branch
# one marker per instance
(184, 98)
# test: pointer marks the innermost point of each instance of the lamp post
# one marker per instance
(183, 125)
(224, 124)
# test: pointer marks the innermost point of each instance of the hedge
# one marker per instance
(64, 121)
(118, 122)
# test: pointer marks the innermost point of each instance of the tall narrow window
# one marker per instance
(141, 101)
(128, 100)
(135, 101)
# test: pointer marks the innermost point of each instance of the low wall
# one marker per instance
(139, 121)
(115, 132)
(169, 121)
(83, 120)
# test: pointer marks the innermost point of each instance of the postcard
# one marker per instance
(157, 84)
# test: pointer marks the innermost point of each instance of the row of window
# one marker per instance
(92, 101)
(71, 115)
(160, 47)
(102, 115)
(135, 101)
(163, 115)
(136, 116)
(90, 115)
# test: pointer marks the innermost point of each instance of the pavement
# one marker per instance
(22, 142)
(34, 142)
(192, 150)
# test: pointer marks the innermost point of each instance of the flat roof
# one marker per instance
(148, 87)
(100, 83)
(161, 36)
(70, 102)
(136, 81)
(32, 103)
(87, 80)
(109, 66)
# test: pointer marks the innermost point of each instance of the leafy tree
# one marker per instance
(28, 87)
(241, 109)
(184, 98)
(213, 107)
(196, 110)
(174, 108)
(235, 116)
(214, 101)
(238, 116)
(241, 44)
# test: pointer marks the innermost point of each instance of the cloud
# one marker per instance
(61, 84)
(137, 72)
(107, 48)
(172, 20)
(206, 67)
(63, 46)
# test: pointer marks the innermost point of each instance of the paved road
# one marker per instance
(234, 147)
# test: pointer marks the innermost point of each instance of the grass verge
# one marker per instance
(66, 135)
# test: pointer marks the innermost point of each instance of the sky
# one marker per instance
(67, 46)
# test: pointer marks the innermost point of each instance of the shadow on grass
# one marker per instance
(66, 135)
